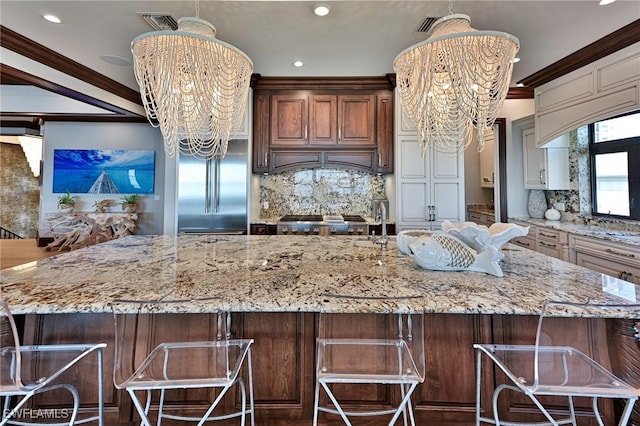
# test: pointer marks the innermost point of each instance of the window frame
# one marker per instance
(632, 147)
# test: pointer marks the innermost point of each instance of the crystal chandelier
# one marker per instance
(193, 86)
(455, 82)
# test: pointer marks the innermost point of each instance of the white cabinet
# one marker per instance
(602, 89)
(544, 168)
(611, 258)
(430, 189)
(487, 168)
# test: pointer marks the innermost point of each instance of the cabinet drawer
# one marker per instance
(526, 242)
(557, 250)
(481, 219)
(609, 267)
(552, 235)
(617, 252)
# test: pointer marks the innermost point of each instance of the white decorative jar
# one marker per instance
(552, 214)
(537, 204)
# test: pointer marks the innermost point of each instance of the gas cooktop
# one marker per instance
(322, 218)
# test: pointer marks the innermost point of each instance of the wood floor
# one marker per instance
(17, 252)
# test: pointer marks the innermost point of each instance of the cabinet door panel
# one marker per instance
(356, 120)
(323, 112)
(534, 161)
(413, 165)
(384, 133)
(446, 198)
(358, 159)
(414, 210)
(445, 166)
(285, 160)
(261, 133)
(289, 120)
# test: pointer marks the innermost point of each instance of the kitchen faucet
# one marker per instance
(381, 209)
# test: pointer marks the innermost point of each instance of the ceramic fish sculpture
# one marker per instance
(479, 237)
(444, 252)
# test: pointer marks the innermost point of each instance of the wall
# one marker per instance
(19, 192)
(108, 136)
(318, 191)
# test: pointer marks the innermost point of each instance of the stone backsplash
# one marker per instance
(19, 192)
(319, 191)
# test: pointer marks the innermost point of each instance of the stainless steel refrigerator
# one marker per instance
(212, 194)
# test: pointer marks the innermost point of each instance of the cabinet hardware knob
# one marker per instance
(548, 245)
(548, 235)
(620, 253)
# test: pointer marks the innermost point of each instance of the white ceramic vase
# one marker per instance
(537, 204)
(552, 214)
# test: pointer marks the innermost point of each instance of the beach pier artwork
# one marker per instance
(91, 171)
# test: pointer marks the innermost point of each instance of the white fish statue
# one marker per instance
(444, 252)
(479, 237)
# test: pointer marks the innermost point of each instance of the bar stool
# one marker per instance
(383, 348)
(26, 371)
(551, 368)
(174, 364)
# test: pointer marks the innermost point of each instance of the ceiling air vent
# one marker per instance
(159, 21)
(425, 26)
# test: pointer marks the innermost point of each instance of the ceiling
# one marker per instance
(358, 37)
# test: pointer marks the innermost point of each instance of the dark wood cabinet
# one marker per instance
(384, 129)
(284, 370)
(323, 120)
(357, 120)
(261, 133)
(342, 123)
(289, 120)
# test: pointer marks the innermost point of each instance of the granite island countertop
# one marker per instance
(293, 273)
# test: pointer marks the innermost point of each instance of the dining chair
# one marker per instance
(551, 367)
(384, 348)
(213, 361)
(29, 370)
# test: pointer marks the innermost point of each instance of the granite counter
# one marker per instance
(626, 236)
(292, 274)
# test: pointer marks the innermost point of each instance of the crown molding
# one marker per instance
(619, 39)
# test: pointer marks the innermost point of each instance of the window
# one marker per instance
(614, 151)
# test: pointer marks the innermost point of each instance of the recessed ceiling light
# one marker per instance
(321, 9)
(516, 60)
(116, 60)
(520, 85)
(605, 2)
(298, 63)
(52, 18)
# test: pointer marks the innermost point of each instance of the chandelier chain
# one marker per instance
(450, 7)
(197, 8)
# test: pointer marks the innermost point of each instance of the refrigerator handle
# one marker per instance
(207, 189)
(216, 186)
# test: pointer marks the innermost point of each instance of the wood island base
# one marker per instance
(284, 357)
